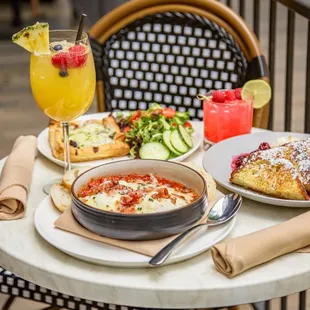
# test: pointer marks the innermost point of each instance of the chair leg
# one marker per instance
(284, 303)
(242, 307)
(52, 308)
(302, 300)
(8, 303)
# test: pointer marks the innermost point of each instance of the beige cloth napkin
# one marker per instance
(16, 178)
(240, 254)
(68, 223)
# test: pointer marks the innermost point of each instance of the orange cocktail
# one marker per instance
(62, 73)
(63, 81)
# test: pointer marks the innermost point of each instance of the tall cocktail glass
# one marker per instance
(63, 82)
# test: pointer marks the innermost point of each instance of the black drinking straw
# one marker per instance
(80, 30)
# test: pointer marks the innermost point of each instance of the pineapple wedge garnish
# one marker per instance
(35, 39)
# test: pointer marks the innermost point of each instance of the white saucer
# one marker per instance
(218, 158)
(104, 254)
(45, 149)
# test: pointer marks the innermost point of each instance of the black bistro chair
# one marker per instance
(168, 51)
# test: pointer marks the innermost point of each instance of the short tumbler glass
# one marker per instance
(225, 120)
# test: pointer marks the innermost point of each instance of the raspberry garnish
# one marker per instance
(77, 56)
(60, 60)
(218, 96)
(230, 95)
(78, 49)
(264, 146)
(238, 93)
(238, 161)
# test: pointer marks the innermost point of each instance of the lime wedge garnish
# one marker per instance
(35, 39)
(257, 90)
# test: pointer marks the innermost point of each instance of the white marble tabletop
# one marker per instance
(191, 284)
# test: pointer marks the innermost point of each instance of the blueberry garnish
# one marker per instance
(57, 47)
(63, 73)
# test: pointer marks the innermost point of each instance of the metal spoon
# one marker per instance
(224, 210)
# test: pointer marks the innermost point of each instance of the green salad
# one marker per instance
(157, 133)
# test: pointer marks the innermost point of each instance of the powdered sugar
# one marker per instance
(301, 155)
(294, 157)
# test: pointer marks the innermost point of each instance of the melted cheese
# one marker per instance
(134, 186)
(105, 202)
(91, 135)
(147, 204)
(150, 205)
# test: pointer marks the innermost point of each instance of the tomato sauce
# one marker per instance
(146, 183)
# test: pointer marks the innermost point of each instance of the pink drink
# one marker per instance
(225, 120)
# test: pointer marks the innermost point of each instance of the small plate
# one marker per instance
(217, 160)
(45, 149)
(105, 254)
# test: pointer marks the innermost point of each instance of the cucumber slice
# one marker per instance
(166, 138)
(186, 137)
(177, 142)
(154, 150)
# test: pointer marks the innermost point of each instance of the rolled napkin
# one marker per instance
(240, 254)
(15, 178)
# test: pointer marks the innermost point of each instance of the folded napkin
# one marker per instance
(240, 254)
(68, 223)
(15, 178)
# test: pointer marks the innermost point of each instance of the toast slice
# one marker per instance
(299, 154)
(280, 179)
(71, 175)
(211, 185)
(61, 197)
(278, 172)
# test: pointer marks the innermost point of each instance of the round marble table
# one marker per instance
(191, 284)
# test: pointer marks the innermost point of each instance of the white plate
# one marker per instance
(218, 158)
(104, 254)
(45, 149)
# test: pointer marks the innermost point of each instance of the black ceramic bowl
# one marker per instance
(141, 226)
